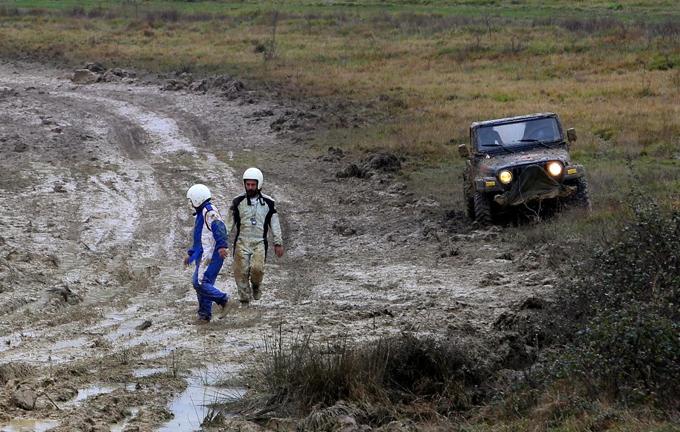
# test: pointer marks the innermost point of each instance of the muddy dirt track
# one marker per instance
(97, 313)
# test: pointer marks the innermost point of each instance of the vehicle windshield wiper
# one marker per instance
(498, 145)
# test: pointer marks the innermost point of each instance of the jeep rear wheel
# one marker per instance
(482, 208)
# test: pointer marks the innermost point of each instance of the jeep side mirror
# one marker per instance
(463, 151)
(571, 134)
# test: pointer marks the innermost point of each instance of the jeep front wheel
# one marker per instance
(482, 207)
(581, 197)
(469, 200)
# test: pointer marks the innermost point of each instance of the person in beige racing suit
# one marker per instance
(251, 216)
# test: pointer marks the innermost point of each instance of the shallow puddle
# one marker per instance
(97, 390)
(69, 343)
(145, 372)
(192, 406)
(157, 354)
(152, 338)
(29, 425)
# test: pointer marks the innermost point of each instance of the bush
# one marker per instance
(633, 354)
(621, 306)
(640, 265)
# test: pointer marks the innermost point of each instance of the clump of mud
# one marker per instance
(15, 371)
(96, 72)
(383, 162)
(223, 85)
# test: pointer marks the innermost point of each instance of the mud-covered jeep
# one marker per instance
(520, 161)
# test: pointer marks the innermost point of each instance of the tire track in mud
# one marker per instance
(127, 223)
(112, 184)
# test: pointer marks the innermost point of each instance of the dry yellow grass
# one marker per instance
(430, 75)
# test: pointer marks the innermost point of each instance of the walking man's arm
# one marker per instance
(278, 237)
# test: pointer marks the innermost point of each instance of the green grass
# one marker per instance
(424, 69)
(525, 9)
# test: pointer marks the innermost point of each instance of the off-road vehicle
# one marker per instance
(520, 161)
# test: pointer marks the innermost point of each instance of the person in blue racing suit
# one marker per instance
(209, 249)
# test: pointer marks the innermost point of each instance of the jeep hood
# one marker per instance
(495, 162)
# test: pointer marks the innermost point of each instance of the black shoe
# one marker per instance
(244, 304)
(256, 292)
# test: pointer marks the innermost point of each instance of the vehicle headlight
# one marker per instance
(505, 176)
(554, 168)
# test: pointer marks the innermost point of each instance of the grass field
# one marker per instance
(609, 68)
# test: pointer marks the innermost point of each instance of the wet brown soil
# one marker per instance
(97, 312)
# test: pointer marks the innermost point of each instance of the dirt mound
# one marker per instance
(386, 162)
(294, 120)
(24, 397)
(354, 170)
(84, 76)
(118, 74)
(14, 371)
(96, 72)
(379, 162)
(95, 67)
(223, 85)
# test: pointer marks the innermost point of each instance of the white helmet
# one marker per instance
(198, 194)
(254, 174)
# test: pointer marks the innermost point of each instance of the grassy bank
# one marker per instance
(610, 69)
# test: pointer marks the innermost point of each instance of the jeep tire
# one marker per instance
(581, 197)
(467, 197)
(482, 208)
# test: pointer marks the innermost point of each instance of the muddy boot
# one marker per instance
(245, 304)
(200, 321)
(222, 309)
(256, 292)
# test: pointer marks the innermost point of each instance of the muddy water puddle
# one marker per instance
(147, 372)
(69, 343)
(95, 390)
(154, 338)
(29, 425)
(157, 354)
(56, 353)
(192, 406)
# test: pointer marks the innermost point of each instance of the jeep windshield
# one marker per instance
(509, 136)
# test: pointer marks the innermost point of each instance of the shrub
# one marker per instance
(640, 265)
(621, 305)
(633, 354)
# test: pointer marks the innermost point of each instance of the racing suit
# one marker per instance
(210, 235)
(252, 218)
